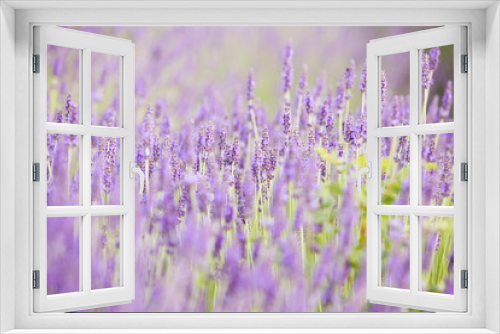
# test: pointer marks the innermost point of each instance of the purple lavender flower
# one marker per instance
(250, 85)
(323, 114)
(362, 82)
(209, 140)
(426, 74)
(287, 69)
(236, 150)
(350, 74)
(309, 108)
(320, 85)
(72, 118)
(265, 139)
(109, 163)
(395, 115)
(340, 100)
(59, 116)
(302, 84)
(299, 221)
(447, 100)
(383, 89)
(222, 146)
(257, 164)
(330, 123)
(148, 127)
(248, 193)
(311, 140)
(287, 121)
(434, 58)
(218, 244)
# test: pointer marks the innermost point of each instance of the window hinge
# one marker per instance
(36, 63)
(36, 172)
(465, 279)
(36, 279)
(465, 64)
(464, 171)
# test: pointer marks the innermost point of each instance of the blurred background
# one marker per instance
(193, 92)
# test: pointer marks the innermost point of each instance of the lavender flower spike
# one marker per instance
(362, 82)
(309, 108)
(287, 121)
(434, 58)
(303, 79)
(383, 88)
(287, 71)
(426, 74)
(250, 85)
(447, 100)
(350, 74)
(250, 100)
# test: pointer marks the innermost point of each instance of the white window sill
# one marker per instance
(251, 331)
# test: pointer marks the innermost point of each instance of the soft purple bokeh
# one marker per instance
(251, 203)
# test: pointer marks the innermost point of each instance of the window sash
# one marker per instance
(86, 43)
(414, 297)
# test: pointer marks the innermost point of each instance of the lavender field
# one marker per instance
(250, 139)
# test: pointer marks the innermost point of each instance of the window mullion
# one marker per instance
(414, 171)
(109, 210)
(103, 131)
(85, 254)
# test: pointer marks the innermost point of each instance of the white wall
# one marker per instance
(7, 159)
(492, 150)
(485, 159)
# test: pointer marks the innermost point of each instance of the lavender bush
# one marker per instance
(250, 202)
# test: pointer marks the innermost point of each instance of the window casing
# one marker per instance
(24, 315)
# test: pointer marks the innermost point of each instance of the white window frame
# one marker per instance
(483, 102)
(413, 44)
(124, 51)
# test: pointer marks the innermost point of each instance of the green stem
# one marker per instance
(254, 124)
(424, 106)
(302, 247)
(341, 132)
(146, 174)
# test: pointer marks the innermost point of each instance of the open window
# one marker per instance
(408, 224)
(84, 165)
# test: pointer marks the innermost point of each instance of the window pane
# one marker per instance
(395, 249)
(63, 169)
(437, 84)
(105, 252)
(395, 89)
(437, 170)
(63, 84)
(437, 254)
(105, 89)
(395, 170)
(63, 255)
(106, 171)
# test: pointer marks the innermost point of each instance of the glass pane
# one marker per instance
(395, 170)
(63, 84)
(63, 255)
(106, 76)
(437, 170)
(63, 169)
(106, 171)
(395, 89)
(395, 251)
(437, 254)
(437, 85)
(105, 252)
